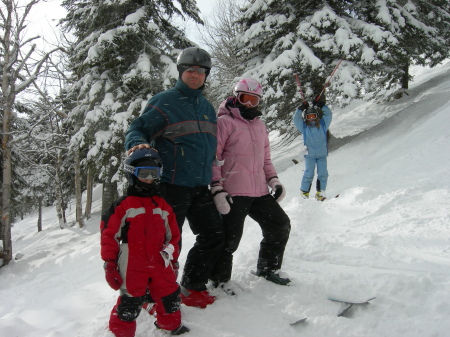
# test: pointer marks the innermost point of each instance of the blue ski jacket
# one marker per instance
(182, 125)
(315, 139)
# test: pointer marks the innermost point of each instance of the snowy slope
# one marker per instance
(387, 235)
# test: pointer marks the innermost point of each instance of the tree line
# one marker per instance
(64, 110)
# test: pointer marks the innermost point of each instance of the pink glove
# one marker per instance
(278, 190)
(112, 275)
(222, 199)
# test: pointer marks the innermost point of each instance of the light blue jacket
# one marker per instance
(314, 138)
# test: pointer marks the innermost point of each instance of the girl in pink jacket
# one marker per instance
(242, 173)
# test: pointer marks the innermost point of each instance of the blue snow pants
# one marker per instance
(308, 175)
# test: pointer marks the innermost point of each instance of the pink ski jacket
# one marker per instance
(243, 164)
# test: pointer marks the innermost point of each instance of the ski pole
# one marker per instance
(300, 87)
(328, 82)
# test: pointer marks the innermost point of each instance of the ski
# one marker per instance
(301, 320)
(322, 200)
(349, 304)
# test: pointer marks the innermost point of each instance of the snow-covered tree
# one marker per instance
(418, 34)
(123, 54)
(305, 37)
(20, 66)
(311, 37)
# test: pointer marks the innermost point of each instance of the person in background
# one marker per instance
(181, 125)
(139, 244)
(242, 173)
(313, 122)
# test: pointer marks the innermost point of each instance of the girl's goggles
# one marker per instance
(144, 172)
(311, 116)
(245, 98)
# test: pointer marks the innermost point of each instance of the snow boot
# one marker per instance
(273, 277)
(321, 195)
(305, 195)
(193, 298)
(178, 331)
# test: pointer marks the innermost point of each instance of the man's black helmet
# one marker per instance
(194, 56)
(140, 158)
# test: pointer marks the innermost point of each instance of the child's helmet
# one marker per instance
(248, 91)
(142, 163)
(250, 86)
(311, 114)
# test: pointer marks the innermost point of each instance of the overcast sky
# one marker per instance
(46, 15)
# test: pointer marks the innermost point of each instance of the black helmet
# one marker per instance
(312, 113)
(194, 56)
(142, 158)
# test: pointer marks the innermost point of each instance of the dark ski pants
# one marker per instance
(275, 226)
(197, 206)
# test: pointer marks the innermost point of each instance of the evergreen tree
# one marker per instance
(305, 37)
(124, 53)
(373, 38)
(418, 35)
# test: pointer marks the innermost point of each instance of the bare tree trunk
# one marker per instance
(8, 101)
(39, 222)
(59, 199)
(6, 187)
(89, 187)
(109, 191)
(78, 192)
(405, 77)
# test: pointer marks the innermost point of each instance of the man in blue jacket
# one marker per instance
(180, 124)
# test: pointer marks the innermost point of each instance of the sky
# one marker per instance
(45, 16)
(385, 236)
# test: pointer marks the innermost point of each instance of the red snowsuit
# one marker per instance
(134, 231)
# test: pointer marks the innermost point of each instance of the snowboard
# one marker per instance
(349, 304)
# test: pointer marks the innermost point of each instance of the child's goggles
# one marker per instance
(245, 98)
(311, 116)
(144, 172)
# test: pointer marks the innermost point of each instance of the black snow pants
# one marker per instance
(275, 226)
(197, 206)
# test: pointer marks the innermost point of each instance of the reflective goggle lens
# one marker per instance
(198, 70)
(147, 172)
(250, 99)
(311, 117)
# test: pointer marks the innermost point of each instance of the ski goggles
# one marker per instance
(192, 70)
(245, 98)
(311, 116)
(144, 172)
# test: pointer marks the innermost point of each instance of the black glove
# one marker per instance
(303, 106)
(319, 101)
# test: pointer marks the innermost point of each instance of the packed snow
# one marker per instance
(385, 236)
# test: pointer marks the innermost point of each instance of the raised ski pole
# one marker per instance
(299, 87)
(329, 80)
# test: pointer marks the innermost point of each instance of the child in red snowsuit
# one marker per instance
(139, 244)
